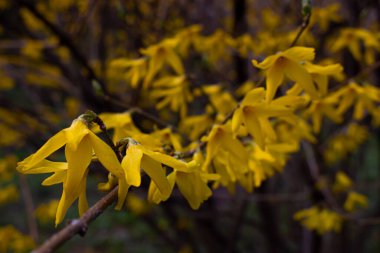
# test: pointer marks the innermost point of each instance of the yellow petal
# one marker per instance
(254, 96)
(82, 202)
(44, 166)
(193, 188)
(106, 156)
(275, 76)
(154, 195)
(53, 144)
(268, 62)
(295, 72)
(323, 70)
(298, 54)
(78, 161)
(63, 205)
(253, 127)
(157, 174)
(295, 90)
(166, 159)
(237, 120)
(121, 193)
(131, 165)
(175, 62)
(57, 178)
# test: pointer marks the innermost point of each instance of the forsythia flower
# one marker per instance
(362, 98)
(342, 182)
(254, 112)
(227, 154)
(355, 200)
(288, 63)
(80, 144)
(159, 55)
(322, 107)
(352, 38)
(192, 183)
(13, 240)
(135, 70)
(174, 92)
(320, 219)
(319, 75)
(45, 213)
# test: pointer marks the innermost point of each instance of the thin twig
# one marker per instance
(304, 25)
(29, 207)
(77, 226)
(103, 128)
(66, 41)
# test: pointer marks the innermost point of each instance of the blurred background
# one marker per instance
(59, 58)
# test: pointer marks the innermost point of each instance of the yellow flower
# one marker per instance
(135, 70)
(342, 182)
(227, 155)
(254, 112)
(353, 38)
(194, 126)
(121, 123)
(221, 100)
(159, 55)
(174, 92)
(355, 200)
(323, 107)
(192, 185)
(322, 220)
(319, 74)
(324, 16)
(151, 163)
(288, 63)
(362, 98)
(45, 213)
(13, 240)
(8, 194)
(80, 143)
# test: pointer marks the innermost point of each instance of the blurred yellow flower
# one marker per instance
(288, 63)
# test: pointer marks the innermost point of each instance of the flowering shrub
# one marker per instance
(177, 111)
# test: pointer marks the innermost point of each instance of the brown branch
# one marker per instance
(78, 226)
(66, 41)
(304, 25)
(29, 207)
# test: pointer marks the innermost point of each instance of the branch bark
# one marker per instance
(78, 226)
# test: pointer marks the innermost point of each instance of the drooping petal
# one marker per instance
(253, 127)
(298, 54)
(82, 202)
(267, 63)
(166, 159)
(157, 174)
(267, 128)
(63, 205)
(275, 76)
(44, 166)
(75, 133)
(131, 165)
(154, 195)
(106, 156)
(57, 178)
(237, 120)
(323, 70)
(121, 193)
(53, 144)
(297, 73)
(78, 161)
(254, 96)
(193, 188)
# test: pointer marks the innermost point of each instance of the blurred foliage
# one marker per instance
(275, 147)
